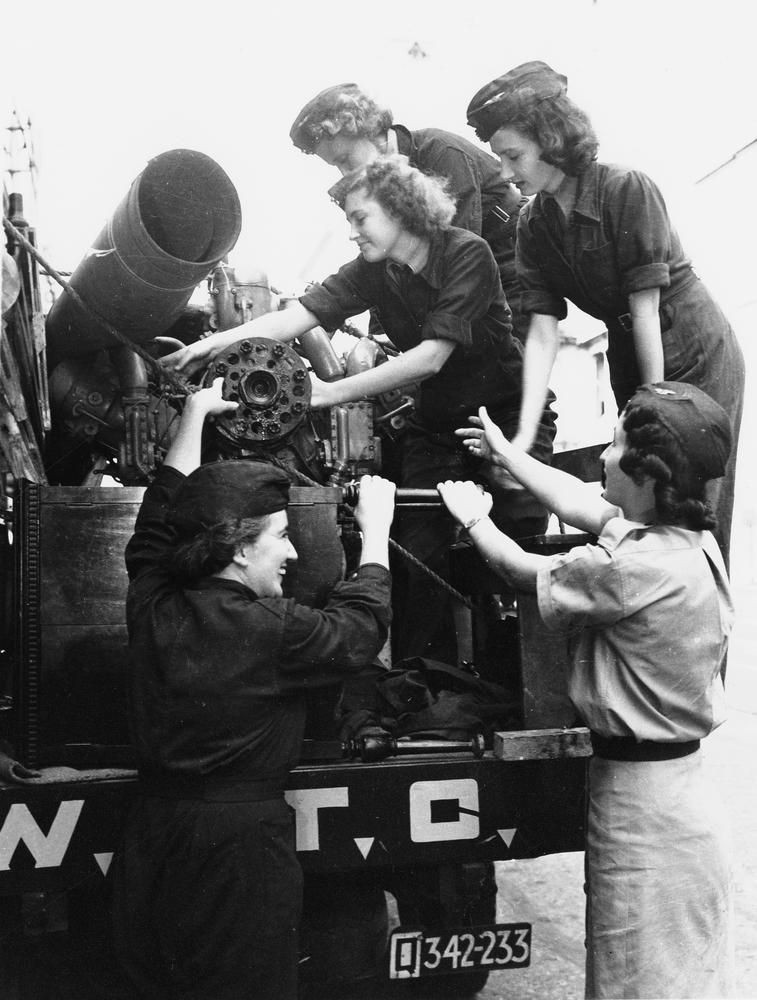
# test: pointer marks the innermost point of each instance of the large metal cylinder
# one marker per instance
(180, 217)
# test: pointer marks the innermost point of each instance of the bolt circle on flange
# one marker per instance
(270, 382)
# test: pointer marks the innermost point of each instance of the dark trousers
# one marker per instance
(206, 900)
(423, 622)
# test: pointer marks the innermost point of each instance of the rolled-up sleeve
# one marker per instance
(641, 232)
(536, 294)
(339, 296)
(583, 587)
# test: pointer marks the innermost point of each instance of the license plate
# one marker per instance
(415, 953)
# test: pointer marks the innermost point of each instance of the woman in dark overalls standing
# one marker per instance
(600, 235)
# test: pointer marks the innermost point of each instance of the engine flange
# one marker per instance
(270, 382)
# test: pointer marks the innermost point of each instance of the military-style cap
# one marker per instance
(486, 111)
(699, 424)
(226, 491)
(315, 111)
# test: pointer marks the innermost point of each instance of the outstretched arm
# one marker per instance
(374, 514)
(184, 454)
(470, 507)
(574, 501)
(283, 325)
(415, 365)
(538, 361)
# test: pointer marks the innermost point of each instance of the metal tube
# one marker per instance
(403, 497)
(180, 217)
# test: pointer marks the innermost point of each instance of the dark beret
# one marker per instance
(228, 491)
(487, 110)
(699, 424)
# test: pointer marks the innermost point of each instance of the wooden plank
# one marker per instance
(542, 744)
(544, 665)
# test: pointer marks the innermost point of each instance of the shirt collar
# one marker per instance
(587, 193)
(405, 141)
(221, 583)
(431, 272)
(565, 195)
(432, 269)
(578, 194)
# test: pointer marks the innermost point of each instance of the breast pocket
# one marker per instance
(598, 271)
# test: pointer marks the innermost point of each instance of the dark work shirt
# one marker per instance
(476, 182)
(457, 296)
(617, 240)
(218, 674)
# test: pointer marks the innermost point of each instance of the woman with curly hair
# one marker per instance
(600, 236)
(437, 293)
(647, 610)
(346, 128)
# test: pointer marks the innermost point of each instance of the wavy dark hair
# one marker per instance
(212, 549)
(651, 450)
(557, 125)
(421, 202)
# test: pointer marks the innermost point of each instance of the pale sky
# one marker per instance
(669, 86)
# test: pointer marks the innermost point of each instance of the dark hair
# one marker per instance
(211, 550)
(557, 125)
(419, 201)
(343, 109)
(651, 450)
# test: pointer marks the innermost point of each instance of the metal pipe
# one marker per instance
(180, 217)
(403, 496)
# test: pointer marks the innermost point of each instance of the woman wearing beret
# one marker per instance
(206, 885)
(346, 128)
(600, 235)
(437, 293)
(647, 612)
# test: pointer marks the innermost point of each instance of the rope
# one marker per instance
(181, 389)
(438, 580)
(162, 373)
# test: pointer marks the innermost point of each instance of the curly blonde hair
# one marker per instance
(421, 202)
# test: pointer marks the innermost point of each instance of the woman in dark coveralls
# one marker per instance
(207, 887)
(600, 235)
(437, 293)
(347, 129)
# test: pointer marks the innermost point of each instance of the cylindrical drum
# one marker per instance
(180, 217)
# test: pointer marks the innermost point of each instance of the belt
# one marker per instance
(628, 748)
(209, 789)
